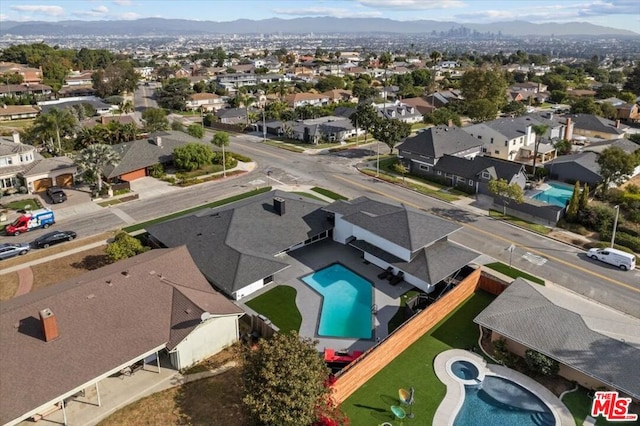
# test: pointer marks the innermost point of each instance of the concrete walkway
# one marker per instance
(25, 277)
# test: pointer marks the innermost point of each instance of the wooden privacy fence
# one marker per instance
(379, 356)
(491, 283)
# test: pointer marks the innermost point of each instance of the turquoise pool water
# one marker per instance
(346, 302)
(558, 195)
(498, 401)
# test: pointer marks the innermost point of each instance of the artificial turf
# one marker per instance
(279, 305)
(370, 405)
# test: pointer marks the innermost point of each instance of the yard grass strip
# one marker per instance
(32, 203)
(143, 225)
(306, 194)
(279, 305)
(540, 229)
(328, 193)
(441, 195)
(513, 272)
(285, 146)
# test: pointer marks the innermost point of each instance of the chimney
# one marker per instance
(278, 205)
(568, 132)
(159, 141)
(16, 137)
(617, 124)
(49, 325)
(450, 123)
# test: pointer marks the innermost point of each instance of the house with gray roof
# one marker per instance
(594, 344)
(593, 126)
(22, 165)
(405, 239)
(581, 167)
(422, 151)
(137, 156)
(474, 174)
(237, 246)
(63, 339)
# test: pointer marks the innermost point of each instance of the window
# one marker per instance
(479, 136)
(439, 173)
(506, 143)
(470, 182)
(497, 151)
(491, 140)
(486, 175)
(424, 167)
(485, 149)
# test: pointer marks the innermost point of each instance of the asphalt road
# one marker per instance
(549, 259)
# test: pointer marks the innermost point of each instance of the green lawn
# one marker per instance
(370, 405)
(540, 229)
(579, 404)
(279, 305)
(328, 193)
(22, 204)
(285, 146)
(423, 189)
(16, 124)
(238, 197)
(513, 272)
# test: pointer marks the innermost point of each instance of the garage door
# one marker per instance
(137, 174)
(42, 184)
(64, 180)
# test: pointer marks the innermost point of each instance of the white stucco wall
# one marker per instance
(389, 247)
(209, 338)
(245, 291)
(342, 230)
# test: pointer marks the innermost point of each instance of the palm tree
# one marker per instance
(126, 106)
(245, 100)
(221, 140)
(95, 158)
(55, 123)
(539, 130)
(364, 118)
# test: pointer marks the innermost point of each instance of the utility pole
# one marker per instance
(615, 225)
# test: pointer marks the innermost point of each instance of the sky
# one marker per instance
(624, 14)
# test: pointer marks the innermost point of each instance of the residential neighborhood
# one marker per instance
(378, 222)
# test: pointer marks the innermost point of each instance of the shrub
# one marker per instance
(157, 171)
(633, 188)
(176, 125)
(241, 157)
(614, 195)
(465, 188)
(123, 247)
(23, 190)
(541, 364)
(502, 354)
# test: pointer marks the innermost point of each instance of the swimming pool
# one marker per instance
(464, 370)
(499, 401)
(557, 194)
(346, 302)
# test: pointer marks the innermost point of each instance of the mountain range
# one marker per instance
(320, 25)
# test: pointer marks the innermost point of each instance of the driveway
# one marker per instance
(148, 187)
(74, 198)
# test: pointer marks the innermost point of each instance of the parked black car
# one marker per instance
(56, 194)
(53, 238)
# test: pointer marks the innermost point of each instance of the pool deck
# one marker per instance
(317, 256)
(450, 405)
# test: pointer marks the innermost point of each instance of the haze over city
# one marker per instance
(621, 14)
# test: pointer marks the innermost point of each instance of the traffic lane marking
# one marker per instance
(261, 151)
(541, 253)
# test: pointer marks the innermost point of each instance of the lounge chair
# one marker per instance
(397, 279)
(386, 273)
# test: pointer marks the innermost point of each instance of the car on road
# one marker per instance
(8, 250)
(52, 238)
(56, 194)
(623, 260)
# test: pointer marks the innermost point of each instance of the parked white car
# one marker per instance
(623, 260)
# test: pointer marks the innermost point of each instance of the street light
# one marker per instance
(615, 225)
(264, 127)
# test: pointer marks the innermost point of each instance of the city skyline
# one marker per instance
(622, 14)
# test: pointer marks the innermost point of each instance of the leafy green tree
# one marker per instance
(574, 203)
(174, 93)
(615, 166)
(481, 110)
(58, 123)
(123, 247)
(507, 192)
(284, 381)
(221, 140)
(95, 158)
(391, 132)
(585, 105)
(364, 118)
(541, 364)
(155, 120)
(487, 85)
(584, 198)
(563, 147)
(442, 116)
(633, 80)
(115, 79)
(126, 106)
(608, 111)
(330, 82)
(515, 109)
(192, 156)
(8, 78)
(399, 167)
(539, 130)
(555, 82)
(628, 97)
(363, 90)
(421, 77)
(606, 91)
(558, 96)
(177, 126)
(195, 130)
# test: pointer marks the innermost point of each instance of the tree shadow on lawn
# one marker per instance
(459, 330)
(92, 262)
(381, 414)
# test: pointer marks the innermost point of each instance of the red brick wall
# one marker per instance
(378, 357)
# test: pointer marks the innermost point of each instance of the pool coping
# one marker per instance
(452, 401)
(373, 303)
